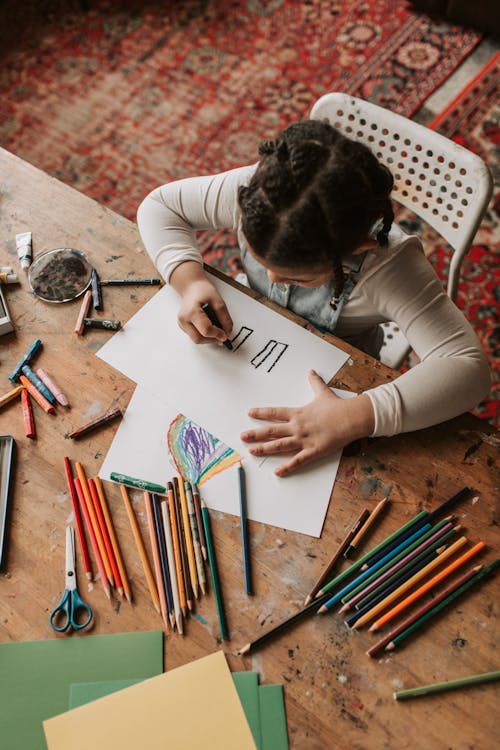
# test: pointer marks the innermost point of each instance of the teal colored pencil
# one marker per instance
(441, 687)
(213, 573)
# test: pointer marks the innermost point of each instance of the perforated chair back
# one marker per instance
(443, 183)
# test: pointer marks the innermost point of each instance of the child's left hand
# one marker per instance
(319, 428)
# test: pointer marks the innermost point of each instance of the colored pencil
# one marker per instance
(199, 520)
(389, 587)
(442, 603)
(196, 537)
(39, 384)
(28, 417)
(366, 526)
(174, 531)
(166, 572)
(441, 687)
(423, 610)
(53, 387)
(362, 577)
(182, 545)
(425, 517)
(141, 548)
(356, 566)
(155, 548)
(78, 518)
(39, 398)
(378, 580)
(337, 555)
(92, 537)
(11, 395)
(437, 547)
(115, 573)
(427, 586)
(94, 521)
(188, 539)
(214, 573)
(114, 541)
(82, 313)
(245, 539)
(172, 563)
(104, 419)
(261, 640)
(408, 584)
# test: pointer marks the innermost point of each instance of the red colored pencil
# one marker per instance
(78, 518)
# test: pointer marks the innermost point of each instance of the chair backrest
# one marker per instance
(443, 183)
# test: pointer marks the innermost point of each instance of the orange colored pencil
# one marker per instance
(373, 612)
(92, 537)
(177, 550)
(156, 557)
(114, 541)
(105, 536)
(93, 518)
(377, 510)
(428, 586)
(141, 549)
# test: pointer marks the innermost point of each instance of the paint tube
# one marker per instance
(9, 278)
(24, 249)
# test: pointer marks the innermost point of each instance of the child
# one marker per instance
(315, 229)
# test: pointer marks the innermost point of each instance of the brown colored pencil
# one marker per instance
(337, 555)
(156, 557)
(366, 526)
(182, 544)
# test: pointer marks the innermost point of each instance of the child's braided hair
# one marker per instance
(313, 199)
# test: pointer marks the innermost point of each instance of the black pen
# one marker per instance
(215, 320)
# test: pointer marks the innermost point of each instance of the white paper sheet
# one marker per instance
(212, 385)
(298, 503)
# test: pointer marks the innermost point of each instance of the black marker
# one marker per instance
(215, 320)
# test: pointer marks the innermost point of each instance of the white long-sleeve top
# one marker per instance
(394, 283)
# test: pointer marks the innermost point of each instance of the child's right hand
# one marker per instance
(191, 282)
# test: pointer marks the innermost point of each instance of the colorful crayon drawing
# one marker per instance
(198, 455)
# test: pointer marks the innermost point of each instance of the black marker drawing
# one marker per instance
(274, 349)
(242, 334)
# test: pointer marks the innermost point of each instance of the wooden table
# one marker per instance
(336, 696)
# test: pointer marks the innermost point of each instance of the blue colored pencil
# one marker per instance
(245, 541)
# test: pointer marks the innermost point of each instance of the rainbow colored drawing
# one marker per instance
(198, 455)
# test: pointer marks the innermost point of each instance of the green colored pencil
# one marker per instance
(441, 687)
(442, 604)
(213, 572)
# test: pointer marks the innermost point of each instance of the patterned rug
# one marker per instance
(473, 120)
(128, 94)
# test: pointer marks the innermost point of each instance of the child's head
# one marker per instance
(314, 198)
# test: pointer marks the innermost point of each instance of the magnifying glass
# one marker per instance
(60, 275)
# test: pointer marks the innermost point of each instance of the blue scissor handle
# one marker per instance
(71, 611)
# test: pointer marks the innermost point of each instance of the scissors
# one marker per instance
(72, 611)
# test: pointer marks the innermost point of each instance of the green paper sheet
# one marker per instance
(84, 692)
(273, 718)
(35, 677)
(247, 685)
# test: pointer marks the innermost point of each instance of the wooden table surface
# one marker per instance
(336, 696)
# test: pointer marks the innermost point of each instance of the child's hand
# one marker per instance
(319, 428)
(192, 283)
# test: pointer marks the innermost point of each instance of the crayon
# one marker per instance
(101, 323)
(96, 423)
(25, 360)
(131, 282)
(139, 484)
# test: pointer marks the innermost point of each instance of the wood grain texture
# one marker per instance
(336, 696)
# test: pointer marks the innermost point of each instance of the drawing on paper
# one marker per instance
(269, 355)
(197, 454)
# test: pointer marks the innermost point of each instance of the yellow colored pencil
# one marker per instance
(176, 548)
(141, 548)
(193, 574)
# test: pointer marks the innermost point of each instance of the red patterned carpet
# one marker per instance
(118, 98)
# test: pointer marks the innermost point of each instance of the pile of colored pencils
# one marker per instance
(394, 575)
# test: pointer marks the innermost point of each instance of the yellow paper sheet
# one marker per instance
(195, 705)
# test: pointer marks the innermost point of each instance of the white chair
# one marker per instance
(443, 183)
